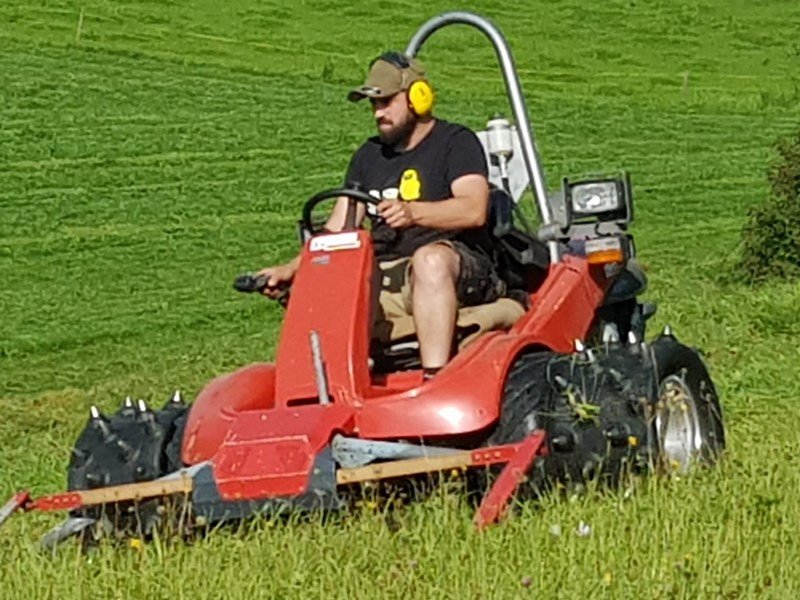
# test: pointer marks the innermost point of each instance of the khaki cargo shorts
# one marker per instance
(478, 283)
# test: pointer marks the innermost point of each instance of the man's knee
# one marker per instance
(435, 263)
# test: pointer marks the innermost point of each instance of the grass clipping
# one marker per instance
(771, 235)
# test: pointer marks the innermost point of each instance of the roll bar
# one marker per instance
(515, 97)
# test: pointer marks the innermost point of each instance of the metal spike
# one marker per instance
(177, 398)
(142, 405)
(667, 331)
(579, 346)
(632, 338)
(610, 334)
(125, 448)
(128, 402)
(99, 421)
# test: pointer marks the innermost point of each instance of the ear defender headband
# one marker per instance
(420, 93)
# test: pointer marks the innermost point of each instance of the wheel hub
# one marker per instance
(677, 425)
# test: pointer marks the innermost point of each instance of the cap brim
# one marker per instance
(367, 91)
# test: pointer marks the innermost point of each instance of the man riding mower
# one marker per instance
(554, 384)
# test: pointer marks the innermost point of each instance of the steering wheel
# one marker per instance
(354, 195)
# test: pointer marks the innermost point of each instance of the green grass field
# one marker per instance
(152, 150)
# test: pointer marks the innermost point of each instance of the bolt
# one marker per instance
(142, 406)
(177, 398)
(618, 434)
(563, 443)
(95, 412)
(579, 346)
(632, 338)
(668, 331)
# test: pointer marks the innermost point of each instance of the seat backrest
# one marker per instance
(521, 259)
(501, 213)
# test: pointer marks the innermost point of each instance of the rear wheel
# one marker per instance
(613, 410)
(595, 422)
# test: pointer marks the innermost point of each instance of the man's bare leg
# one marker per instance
(433, 297)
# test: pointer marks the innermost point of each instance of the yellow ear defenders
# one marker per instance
(420, 93)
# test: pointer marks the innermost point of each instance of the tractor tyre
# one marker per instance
(172, 452)
(128, 447)
(595, 407)
(526, 398)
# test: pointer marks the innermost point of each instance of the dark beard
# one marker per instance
(397, 138)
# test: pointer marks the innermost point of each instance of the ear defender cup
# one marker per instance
(421, 98)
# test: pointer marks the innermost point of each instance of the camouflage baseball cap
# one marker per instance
(389, 74)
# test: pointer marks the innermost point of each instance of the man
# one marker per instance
(432, 178)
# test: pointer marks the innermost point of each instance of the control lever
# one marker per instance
(249, 283)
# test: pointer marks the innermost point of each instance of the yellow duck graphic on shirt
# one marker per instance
(410, 185)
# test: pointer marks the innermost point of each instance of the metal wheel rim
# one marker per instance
(677, 425)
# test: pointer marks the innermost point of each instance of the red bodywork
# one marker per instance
(262, 426)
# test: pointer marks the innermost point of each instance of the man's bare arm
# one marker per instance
(281, 275)
(339, 214)
(465, 210)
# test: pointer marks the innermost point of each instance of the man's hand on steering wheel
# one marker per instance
(396, 213)
(350, 219)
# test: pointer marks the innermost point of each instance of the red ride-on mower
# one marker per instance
(555, 384)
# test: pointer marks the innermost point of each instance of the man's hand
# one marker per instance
(397, 213)
(280, 277)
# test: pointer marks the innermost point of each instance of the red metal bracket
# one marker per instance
(495, 502)
(17, 501)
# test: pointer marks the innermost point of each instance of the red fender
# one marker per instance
(219, 403)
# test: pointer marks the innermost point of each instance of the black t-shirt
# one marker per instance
(426, 172)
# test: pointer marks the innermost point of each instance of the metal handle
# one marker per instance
(516, 99)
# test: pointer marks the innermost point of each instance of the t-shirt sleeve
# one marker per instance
(465, 156)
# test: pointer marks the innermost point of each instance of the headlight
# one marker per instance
(607, 199)
(593, 198)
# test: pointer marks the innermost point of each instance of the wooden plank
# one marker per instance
(137, 491)
(117, 493)
(401, 468)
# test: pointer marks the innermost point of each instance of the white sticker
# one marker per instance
(335, 241)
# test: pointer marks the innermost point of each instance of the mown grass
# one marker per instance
(162, 148)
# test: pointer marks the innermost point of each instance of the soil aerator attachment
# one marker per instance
(565, 391)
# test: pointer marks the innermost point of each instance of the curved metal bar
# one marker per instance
(517, 100)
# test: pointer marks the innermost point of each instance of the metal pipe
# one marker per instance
(517, 100)
(319, 368)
